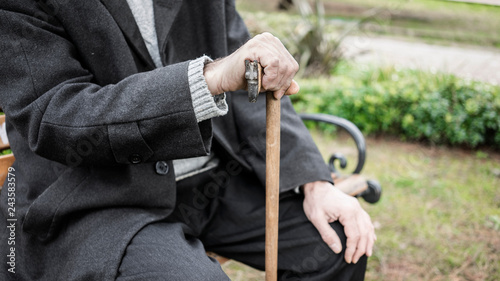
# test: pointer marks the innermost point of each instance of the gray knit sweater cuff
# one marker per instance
(205, 105)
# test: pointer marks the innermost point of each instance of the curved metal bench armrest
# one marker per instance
(346, 125)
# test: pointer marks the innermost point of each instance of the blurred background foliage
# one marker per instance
(433, 138)
(411, 104)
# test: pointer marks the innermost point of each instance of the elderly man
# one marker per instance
(136, 152)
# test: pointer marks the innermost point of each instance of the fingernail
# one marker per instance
(348, 260)
(355, 260)
(335, 248)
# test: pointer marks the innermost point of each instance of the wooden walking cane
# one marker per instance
(253, 75)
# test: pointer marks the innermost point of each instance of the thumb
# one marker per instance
(328, 235)
(293, 89)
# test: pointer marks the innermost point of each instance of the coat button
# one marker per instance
(162, 168)
(135, 158)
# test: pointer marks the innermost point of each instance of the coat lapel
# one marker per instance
(123, 16)
(165, 13)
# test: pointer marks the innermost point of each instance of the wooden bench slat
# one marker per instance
(220, 259)
(4, 141)
(5, 162)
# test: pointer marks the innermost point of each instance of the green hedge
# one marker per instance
(413, 105)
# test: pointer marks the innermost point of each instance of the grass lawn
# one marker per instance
(439, 216)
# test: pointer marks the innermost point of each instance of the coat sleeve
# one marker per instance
(59, 110)
(236, 31)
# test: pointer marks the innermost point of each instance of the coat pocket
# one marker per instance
(42, 217)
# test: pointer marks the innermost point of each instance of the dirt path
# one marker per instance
(487, 2)
(473, 63)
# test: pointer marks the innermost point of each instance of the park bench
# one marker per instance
(8, 159)
(353, 184)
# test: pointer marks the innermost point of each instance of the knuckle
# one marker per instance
(371, 228)
(364, 232)
(253, 44)
(350, 250)
(285, 69)
(355, 236)
(315, 217)
(272, 75)
(353, 200)
(355, 204)
(327, 238)
(291, 71)
(267, 35)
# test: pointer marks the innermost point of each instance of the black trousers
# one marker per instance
(224, 212)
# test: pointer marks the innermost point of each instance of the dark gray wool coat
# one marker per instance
(90, 120)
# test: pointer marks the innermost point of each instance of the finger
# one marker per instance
(270, 76)
(291, 90)
(365, 227)
(288, 68)
(352, 233)
(279, 94)
(289, 86)
(371, 241)
(361, 249)
(328, 235)
(369, 246)
(284, 79)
